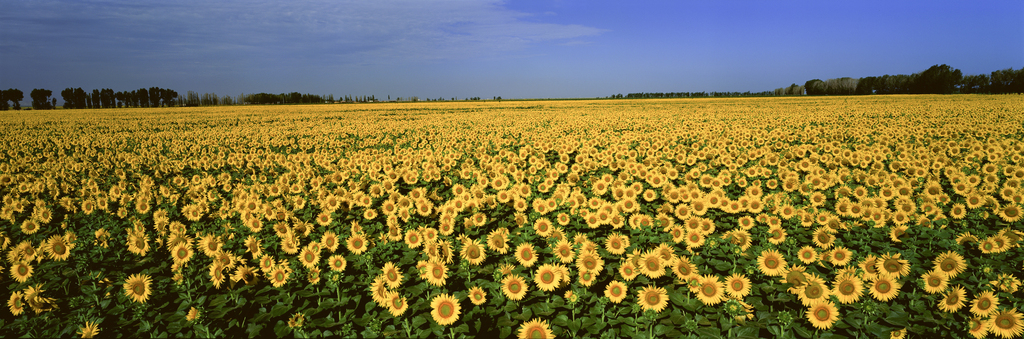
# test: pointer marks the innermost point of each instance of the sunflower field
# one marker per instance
(796, 217)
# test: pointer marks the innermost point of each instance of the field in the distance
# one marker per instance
(861, 216)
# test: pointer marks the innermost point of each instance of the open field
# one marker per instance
(746, 217)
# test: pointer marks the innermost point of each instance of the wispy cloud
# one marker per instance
(300, 31)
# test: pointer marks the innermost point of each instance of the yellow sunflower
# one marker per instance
(587, 278)
(892, 265)
(1007, 323)
(813, 291)
(308, 257)
(984, 304)
(57, 247)
(615, 291)
(616, 244)
(563, 251)
(91, 329)
(535, 328)
(245, 274)
(823, 237)
(652, 265)
(884, 287)
(330, 241)
(525, 254)
(16, 303)
(935, 281)
(840, 256)
(823, 314)
(477, 295)
(356, 243)
(683, 268)
(848, 288)
(547, 277)
(392, 276)
(21, 271)
(473, 253)
(444, 309)
(217, 275)
(396, 304)
(776, 235)
(436, 273)
(807, 254)
(979, 327)
(628, 271)
(950, 263)
(279, 275)
(709, 290)
(514, 287)
(771, 263)
(652, 298)
(953, 300)
(137, 288)
(737, 285)
(413, 239)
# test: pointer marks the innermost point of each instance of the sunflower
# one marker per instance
(57, 247)
(444, 309)
(868, 264)
(16, 303)
(254, 246)
(709, 290)
(392, 276)
(892, 265)
(356, 243)
(308, 257)
(683, 268)
(628, 271)
(563, 250)
(984, 304)
(209, 244)
(848, 288)
(587, 278)
(245, 274)
(138, 243)
(535, 328)
(652, 265)
(1007, 323)
(796, 276)
(813, 291)
(379, 290)
(137, 288)
(1010, 213)
(884, 287)
(525, 254)
(958, 211)
(823, 237)
(477, 295)
(776, 235)
(652, 298)
(396, 304)
(436, 273)
(90, 329)
(217, 275)
(823, 314)
(737, 285)
(950, 263)
(694, 239)
(413, 239)
(807, 254)
(615, 291)
(840, 256)
(935, 281)
(514, 287)
(279, 275)
(979, 327)
(953, 300)
(616, 244)
(266, 263)
(193, 314)
(473, 253)
(547, 277)
(29, 226)
(330, 241)
(771, 263)
(21, 271)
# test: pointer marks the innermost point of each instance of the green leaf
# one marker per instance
(561, 320)
(279, 309)
(282, 329)
(218, 300)
(803, 332)
(878, 331)
(174, 327)
(709, 332)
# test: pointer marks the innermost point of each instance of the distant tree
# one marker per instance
(80, 98)
(40, 98)
(68, 95)
(142, 96)
(866, 85)
(169, 97)
(938, 79)
(3, 101)
(815, 87)
(15, 96)
(96, 103)
(1007, 81)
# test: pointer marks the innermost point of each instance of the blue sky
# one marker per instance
(513, 49)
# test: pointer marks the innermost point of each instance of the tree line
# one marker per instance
(643, 95)
(938, 79)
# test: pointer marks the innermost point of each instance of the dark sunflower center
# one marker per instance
(934, 282)
(445, 310)
(1004, 323)
(536, 333)
(846, 287)
(771, 263)
(709, 290)
(514, 287)
(616, 290)
(883, 286)
(138, 289)
(652, 299)
(822, 314)
(984, 304)
(22, 270)
(547, 277)
(737, 285)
